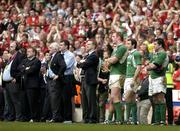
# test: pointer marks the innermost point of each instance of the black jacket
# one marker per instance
(143, 92)
(58, 66)
(15, 72)
(30, 70)
(90, 68)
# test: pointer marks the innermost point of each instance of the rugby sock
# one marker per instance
(114, 113)
(134, 112)
(162, 107)
(110, 116)
(118, 109)
(128, 110)
(157, 113)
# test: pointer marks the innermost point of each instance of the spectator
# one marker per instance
(176, 74)
(143, 104)
(69, 83)
(30, 69)
(89, 65)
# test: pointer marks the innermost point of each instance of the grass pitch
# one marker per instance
(21, 126)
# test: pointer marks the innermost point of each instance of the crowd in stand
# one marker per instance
(120, 53)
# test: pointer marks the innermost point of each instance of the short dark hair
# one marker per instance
(160, 41)
(133, 42)
(66, 43)
(33, 49)
(26, 35)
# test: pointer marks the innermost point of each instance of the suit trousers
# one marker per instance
(46, 109)
(89, 104)
(1, 104)
(33, 96)
(13, 99)
(56, 100)
(169, 104)
(68, 93)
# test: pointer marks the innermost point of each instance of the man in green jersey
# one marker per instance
(157, 81)
(117, 63)
(134, 61)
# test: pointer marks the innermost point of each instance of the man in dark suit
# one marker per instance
(11, 78)
(89, 65)
(30, 68)
(55, 73)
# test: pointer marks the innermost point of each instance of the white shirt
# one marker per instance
(6, 73)
(50, 73)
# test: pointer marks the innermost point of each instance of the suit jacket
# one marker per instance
(42, 82)
(30, 70)
(15, 72)
(58, 66)
(90, 67)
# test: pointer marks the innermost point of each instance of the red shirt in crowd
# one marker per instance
(32, 21)
(169, 43)
(176, 83)
(176, 29)
(162, 18)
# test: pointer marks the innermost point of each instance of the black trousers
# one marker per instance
(56, 100)
(33, 96)
(89, 104)
(169, 105)
(1, 104)
(25, 108)
(68, 93)
(46, 107)
(41, 100)
(13, 100)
